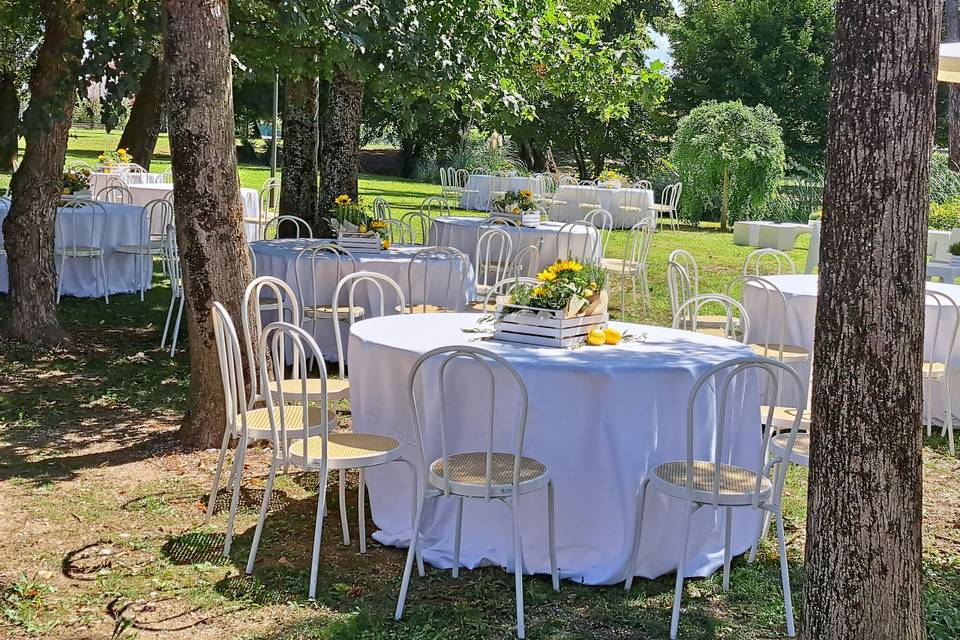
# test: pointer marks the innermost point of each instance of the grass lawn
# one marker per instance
(102, 533)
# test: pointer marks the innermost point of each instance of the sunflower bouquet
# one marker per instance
(569, 285)
(76, 181)
(611, 176)
(353, 217)
(516, 202)
(109, 159)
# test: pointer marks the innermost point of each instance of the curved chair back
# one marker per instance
(579, 240)
(115, 194)
(492, 259)
(265, 295)
(80, 226)
(603, 221)
(381, 208)
(419, 221)
(372, 280)
(688, 314)
(271, 230)
(398, 231)
(419, 273)
(941, 328)
(231, 370)
(526, 261)
(779, 261)
(502, 288)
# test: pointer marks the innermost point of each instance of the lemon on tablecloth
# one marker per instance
(611, 335)
(596, 337)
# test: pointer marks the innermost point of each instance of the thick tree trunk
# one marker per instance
(213, 251)
(298, 195)
(863, 552)
(9, 120)
(28, 230)
(410, 152)
(951, 23)
(139, 137)
(340, 155)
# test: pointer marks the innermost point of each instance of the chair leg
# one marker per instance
(456, 537)
(60, 278)
(551, 537)
(236, 476)
(215, 487)
(681, 569)
(929, 389)
(103, 271)
(264, 505)
(317, 530)
(785, 575)
(412, 551)
(342, 489)
(635, 548)
(948, 422)
(176, 326)
(166, 325)
(361, 513)
(728, 521)
(518, 566)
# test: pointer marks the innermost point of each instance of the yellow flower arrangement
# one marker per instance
(526, 195)
(378, 225)
(342, 199)
(560, 283)
(547, 275)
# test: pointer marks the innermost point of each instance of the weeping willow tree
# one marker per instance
(728, 154)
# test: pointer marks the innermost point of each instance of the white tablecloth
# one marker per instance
(461, 233)
(609, 199)
(482, 185)
(801, 294)
(278, 258)
(102, 179)
(122, 228)
(144, 193)
(600, 418)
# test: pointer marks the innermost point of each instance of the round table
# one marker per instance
(123, 227)
(102, 179)
(461, 233)
(611, 199)
(278, 258)
(800, 292)
(478, 188)
(600, 418)
(146, 192)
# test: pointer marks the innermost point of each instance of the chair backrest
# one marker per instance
(565, 181)
(588, 183)
(381, 208)
(133, 167)
(502, 288)
(444, 180)
(311, 277)
(641, 239)
(675, 195)
(168, 196)
(495, 222)
(371, 280)
(80, 224)
(462, 175)
(940, 330)
(429, 262)
(483, 367)
(526, 261)
(419, 221)
(716, 393)
(683, 278)
(269, 200)
(301, 227)
(253, 260)
(578, 240)
(603, 221)
(164, 177)
(285, 341)
(231, 370)
(399, 231)
(279, 297)
(435, 206)
(735, 327)
(779, 263)
(115, 194)
(774, 312)
(492, 258)
(642, 184)
(478, 171)
(158, 214)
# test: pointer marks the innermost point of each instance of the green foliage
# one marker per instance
(944, 182)
(23, 604)
(800, 197)
(477, 151)
(944, 216)
(719, 140)
(771, 52)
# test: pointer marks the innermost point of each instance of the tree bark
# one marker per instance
(951, 21)
(340, 154)
(213, 251)
(863, 552)
(9, 119)
(298, 190)
(139, 137)
(28, 230)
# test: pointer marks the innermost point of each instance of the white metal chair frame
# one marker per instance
(350, 281)
(115, 194)
(945, 316)
(419, 220)
(493, 254)
(441, 485)
(753, 263)
(172, 260)
(603, 221)
(381, 209)
(687, 315)
(634, 265)
(765, 495)
(774, 345)
(591, 241)
(669, 200)
(526, 260)
(309, 261)
(457, 266)
(302, 227)
(399, 231)
(642, 184)
(501, 288)
(156, 217)
(83, 222)
(500, 183)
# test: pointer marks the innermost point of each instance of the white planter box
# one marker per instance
(360, 242)
(529, 219)
(544, 327)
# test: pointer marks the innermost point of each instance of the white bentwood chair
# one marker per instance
(492, 258)
(733, 323)
(430, 259)
(716, 484)
(583, 233)
(603, 221)
(477, 475)
(300, 226)
(633, 267)
(942, 324)
(669, 200)
(683, 283)
(500, 288)
(79, 236)
(172, 260)
(780, 263)
(156, 217)
(115, 194)
(381, 208)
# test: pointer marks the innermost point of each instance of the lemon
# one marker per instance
(596, 337)
(363, 228)
(611, 335)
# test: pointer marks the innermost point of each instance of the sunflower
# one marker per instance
(547, 275)
(342, 199)
(526, 195)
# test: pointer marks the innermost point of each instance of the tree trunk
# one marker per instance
(411, 151)
(213, 251)
(863, 551)
(725, 199)
(951, 21)
(28, 230)
(139, 137)
(298, 195)
(340, 155)
(9, 119)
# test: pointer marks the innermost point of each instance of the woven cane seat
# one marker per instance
(259, 420)
(737, 485)
(336, 388)
(80, 252)
(783, 417)
(467, 473)
(153, 248)
(800, 454)
(934, 369)
(618, 264)
(781, 352)
(422, 308)
(325, 312)
(347, 450)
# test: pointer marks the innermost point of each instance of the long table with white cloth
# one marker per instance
(627, 205)
(478, 189)
(600, 418)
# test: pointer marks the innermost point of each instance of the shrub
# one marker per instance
(477, 151)
(944, 183)
(945, 216)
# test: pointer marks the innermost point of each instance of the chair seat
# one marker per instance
(663, 208)
(783, 417)
(423, 308)
(258, 421)
(325, 312)
(80, 252)
(800, 454)
(737, 485)
(589, 205)
(618, 264)
(781, 352)
(346, 450)
(336, 388)
(934, 369)
(467, 474)
(154, 248)
(478, 306)
(630, 207)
